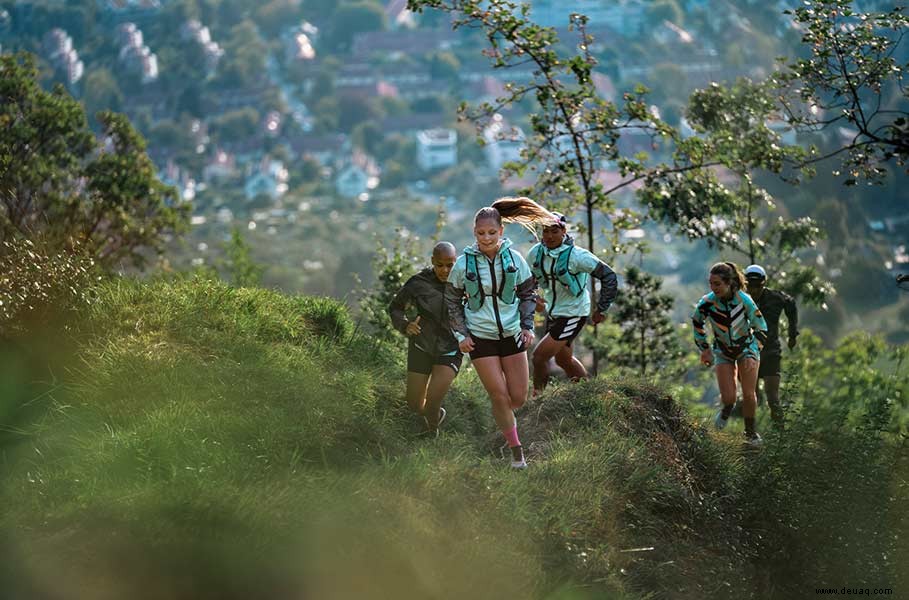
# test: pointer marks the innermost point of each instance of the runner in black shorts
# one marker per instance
(433, 357)
(419, 361)
(507, 347)
(565, 329)
(563, 271)
(772, 304)
(491, 303)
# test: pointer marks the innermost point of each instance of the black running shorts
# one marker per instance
(565, 329)
(507, 347)
(770, 366)
(423, 362)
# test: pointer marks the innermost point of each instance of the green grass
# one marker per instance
(192, 440)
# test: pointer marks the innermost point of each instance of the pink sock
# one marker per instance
(511, 436)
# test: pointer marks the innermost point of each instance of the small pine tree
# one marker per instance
(648, 339)
(241, 268)
(393, 267)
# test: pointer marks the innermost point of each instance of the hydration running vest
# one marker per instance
(576, 283)
(475, 293)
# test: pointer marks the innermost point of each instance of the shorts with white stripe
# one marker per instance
(565, 329)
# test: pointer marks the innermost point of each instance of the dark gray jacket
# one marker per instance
(426, 293)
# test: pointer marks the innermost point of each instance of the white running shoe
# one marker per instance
(519, 464)
(754, 440)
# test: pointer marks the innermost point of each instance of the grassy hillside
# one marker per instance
(192, 440)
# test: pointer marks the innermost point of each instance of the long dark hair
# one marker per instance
(730, 274)
(516, 210)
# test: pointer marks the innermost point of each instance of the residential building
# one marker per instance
(503, 143)
(220, 166)
(135, 11)
(397, 16)
(403, 42)
(437, 148)
(323, 148)
(626, 16)
(359, 175)
(269, 179)
(58, 48)
(193, 30)
(135, 56)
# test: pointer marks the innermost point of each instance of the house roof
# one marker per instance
(414, 122)
(416, 41)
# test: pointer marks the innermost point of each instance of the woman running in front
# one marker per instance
(739, 333)
(433, 358)
(562, 270)
(495, 324)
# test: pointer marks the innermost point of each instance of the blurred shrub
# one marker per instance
(37, 286)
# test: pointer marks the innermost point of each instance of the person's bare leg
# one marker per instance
(492, 375)
(545, 350)
(748, 370)
(489, 370)
(439, 382)
(725, 379)
(569, 363)
(516, 373)
(416, 391)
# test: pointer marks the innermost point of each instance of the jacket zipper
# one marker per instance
(495, 303)
(552, 278)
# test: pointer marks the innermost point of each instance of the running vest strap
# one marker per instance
(575, 282)
(475, 293)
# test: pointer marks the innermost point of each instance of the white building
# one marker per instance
(503, 143)
(135, 55)
(437, 148)
(193, 30)
(58, 47)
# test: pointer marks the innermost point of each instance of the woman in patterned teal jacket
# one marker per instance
(739, 333)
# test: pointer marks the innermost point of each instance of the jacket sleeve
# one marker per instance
(699, 326)
(792, 315)
(526, 292)
(398, 305)
(454, 300)
(758, 323)
(527, 302)
(609, 286)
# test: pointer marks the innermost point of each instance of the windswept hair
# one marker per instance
(730, 274)
(523, 211)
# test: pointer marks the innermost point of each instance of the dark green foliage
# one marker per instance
(840, 457)
(393, 267)
(40, 287)
(236, 125)
(59, 183)
(242, 270)
(851, 78)
(244, 57)
(735, 131)
(233, 443)
(354, 17)
(647, 342)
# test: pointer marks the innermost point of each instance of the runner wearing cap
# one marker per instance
(772, 304)
(562, 269)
